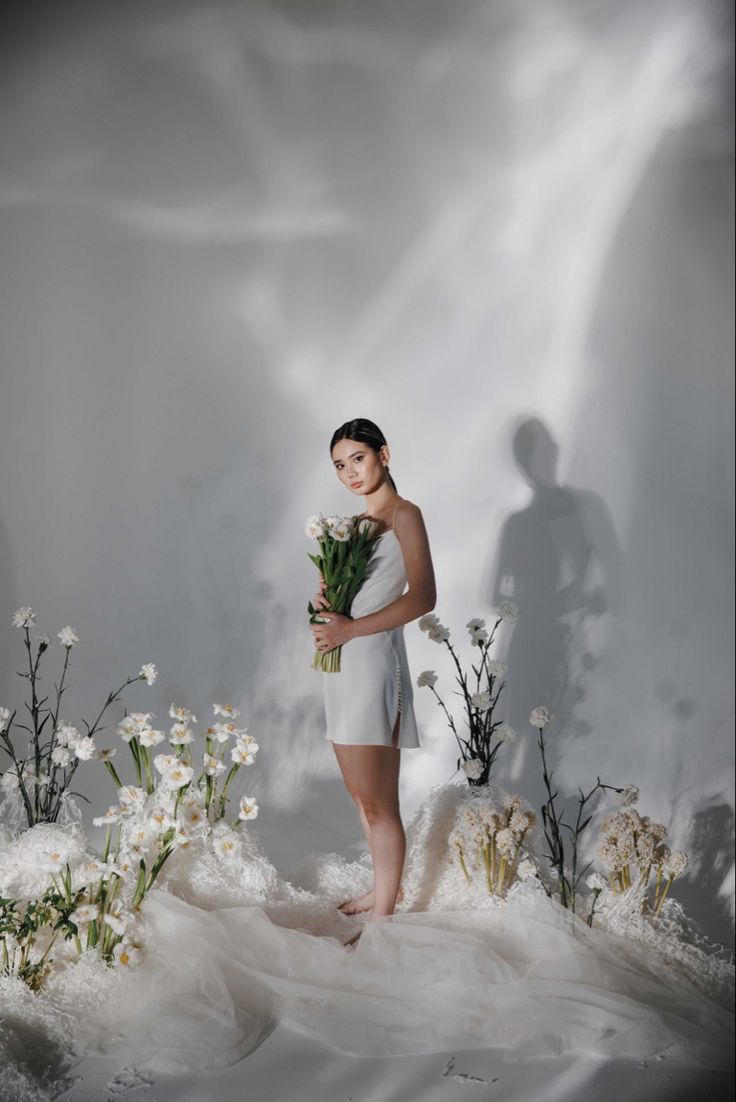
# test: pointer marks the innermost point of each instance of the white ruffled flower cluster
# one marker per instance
(508, 612)
(24, 617)
(478, 633)
(540, 717)
(630, 839)
(493, 838)
(427, 678)
(436, 631)
(318, 527)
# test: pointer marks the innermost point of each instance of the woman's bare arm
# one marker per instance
(421, 595)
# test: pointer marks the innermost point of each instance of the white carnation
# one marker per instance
(149, 672)
(481, 701)
(526, 870)
(61, 756)
(505, 733)
(4, 718)
(68, 637)
(508, 611)
(24, 617)
(428, 678)
(85, 748)
(473, 768)
(539, 717)
(497, 667)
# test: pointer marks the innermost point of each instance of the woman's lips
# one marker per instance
(354, 485)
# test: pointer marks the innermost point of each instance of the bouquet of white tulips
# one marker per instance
(346, 545)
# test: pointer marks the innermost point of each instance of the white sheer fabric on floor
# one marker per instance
(231, 948)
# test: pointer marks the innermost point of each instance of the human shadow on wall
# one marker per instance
(559, 560)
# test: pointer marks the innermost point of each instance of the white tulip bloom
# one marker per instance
(314, 527)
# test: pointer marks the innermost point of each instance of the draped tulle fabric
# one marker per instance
(232, 949)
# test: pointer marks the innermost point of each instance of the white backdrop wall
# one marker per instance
(502, 230)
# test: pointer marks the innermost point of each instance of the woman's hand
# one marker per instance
(337, 630)
(319, 600)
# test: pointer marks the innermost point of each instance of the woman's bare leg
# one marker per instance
(371, 775)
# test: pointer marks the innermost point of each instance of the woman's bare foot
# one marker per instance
(363, 903)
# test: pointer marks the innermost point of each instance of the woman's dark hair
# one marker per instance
(364, 431)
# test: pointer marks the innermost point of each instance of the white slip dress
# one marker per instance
(373, 687)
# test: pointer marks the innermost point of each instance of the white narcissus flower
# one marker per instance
(212, 765)
(68, 637)
(133, 724)
(161, 819)
(112, 815)
(163, 762)
(505, 733)
(116, 922)
(226, 710)
(106, 754)
(508, 611)
(193, 816)
(61, 756)
(4, 718)
(473, 768)
(85, 748)
(24, 617)
(242, 754)
(314, 527)
(84, 914)
(225, 844)
(178, 776)
(182, 715)
(539, 717)
(180, 735)
(150, 737)
(127, 954)
(596, 882)
(628, 795)
(149, 672)
(221, 732)
(481, 701)
(248, 808)
(428, 678)
(131, 798)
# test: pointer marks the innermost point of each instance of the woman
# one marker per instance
(369, 704)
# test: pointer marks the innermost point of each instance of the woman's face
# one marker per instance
(358, 466)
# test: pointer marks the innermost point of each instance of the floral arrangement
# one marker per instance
(37, 783)
(492, 839)
(346, 545)
(632, 839)
(94, 902)
(478, 750)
